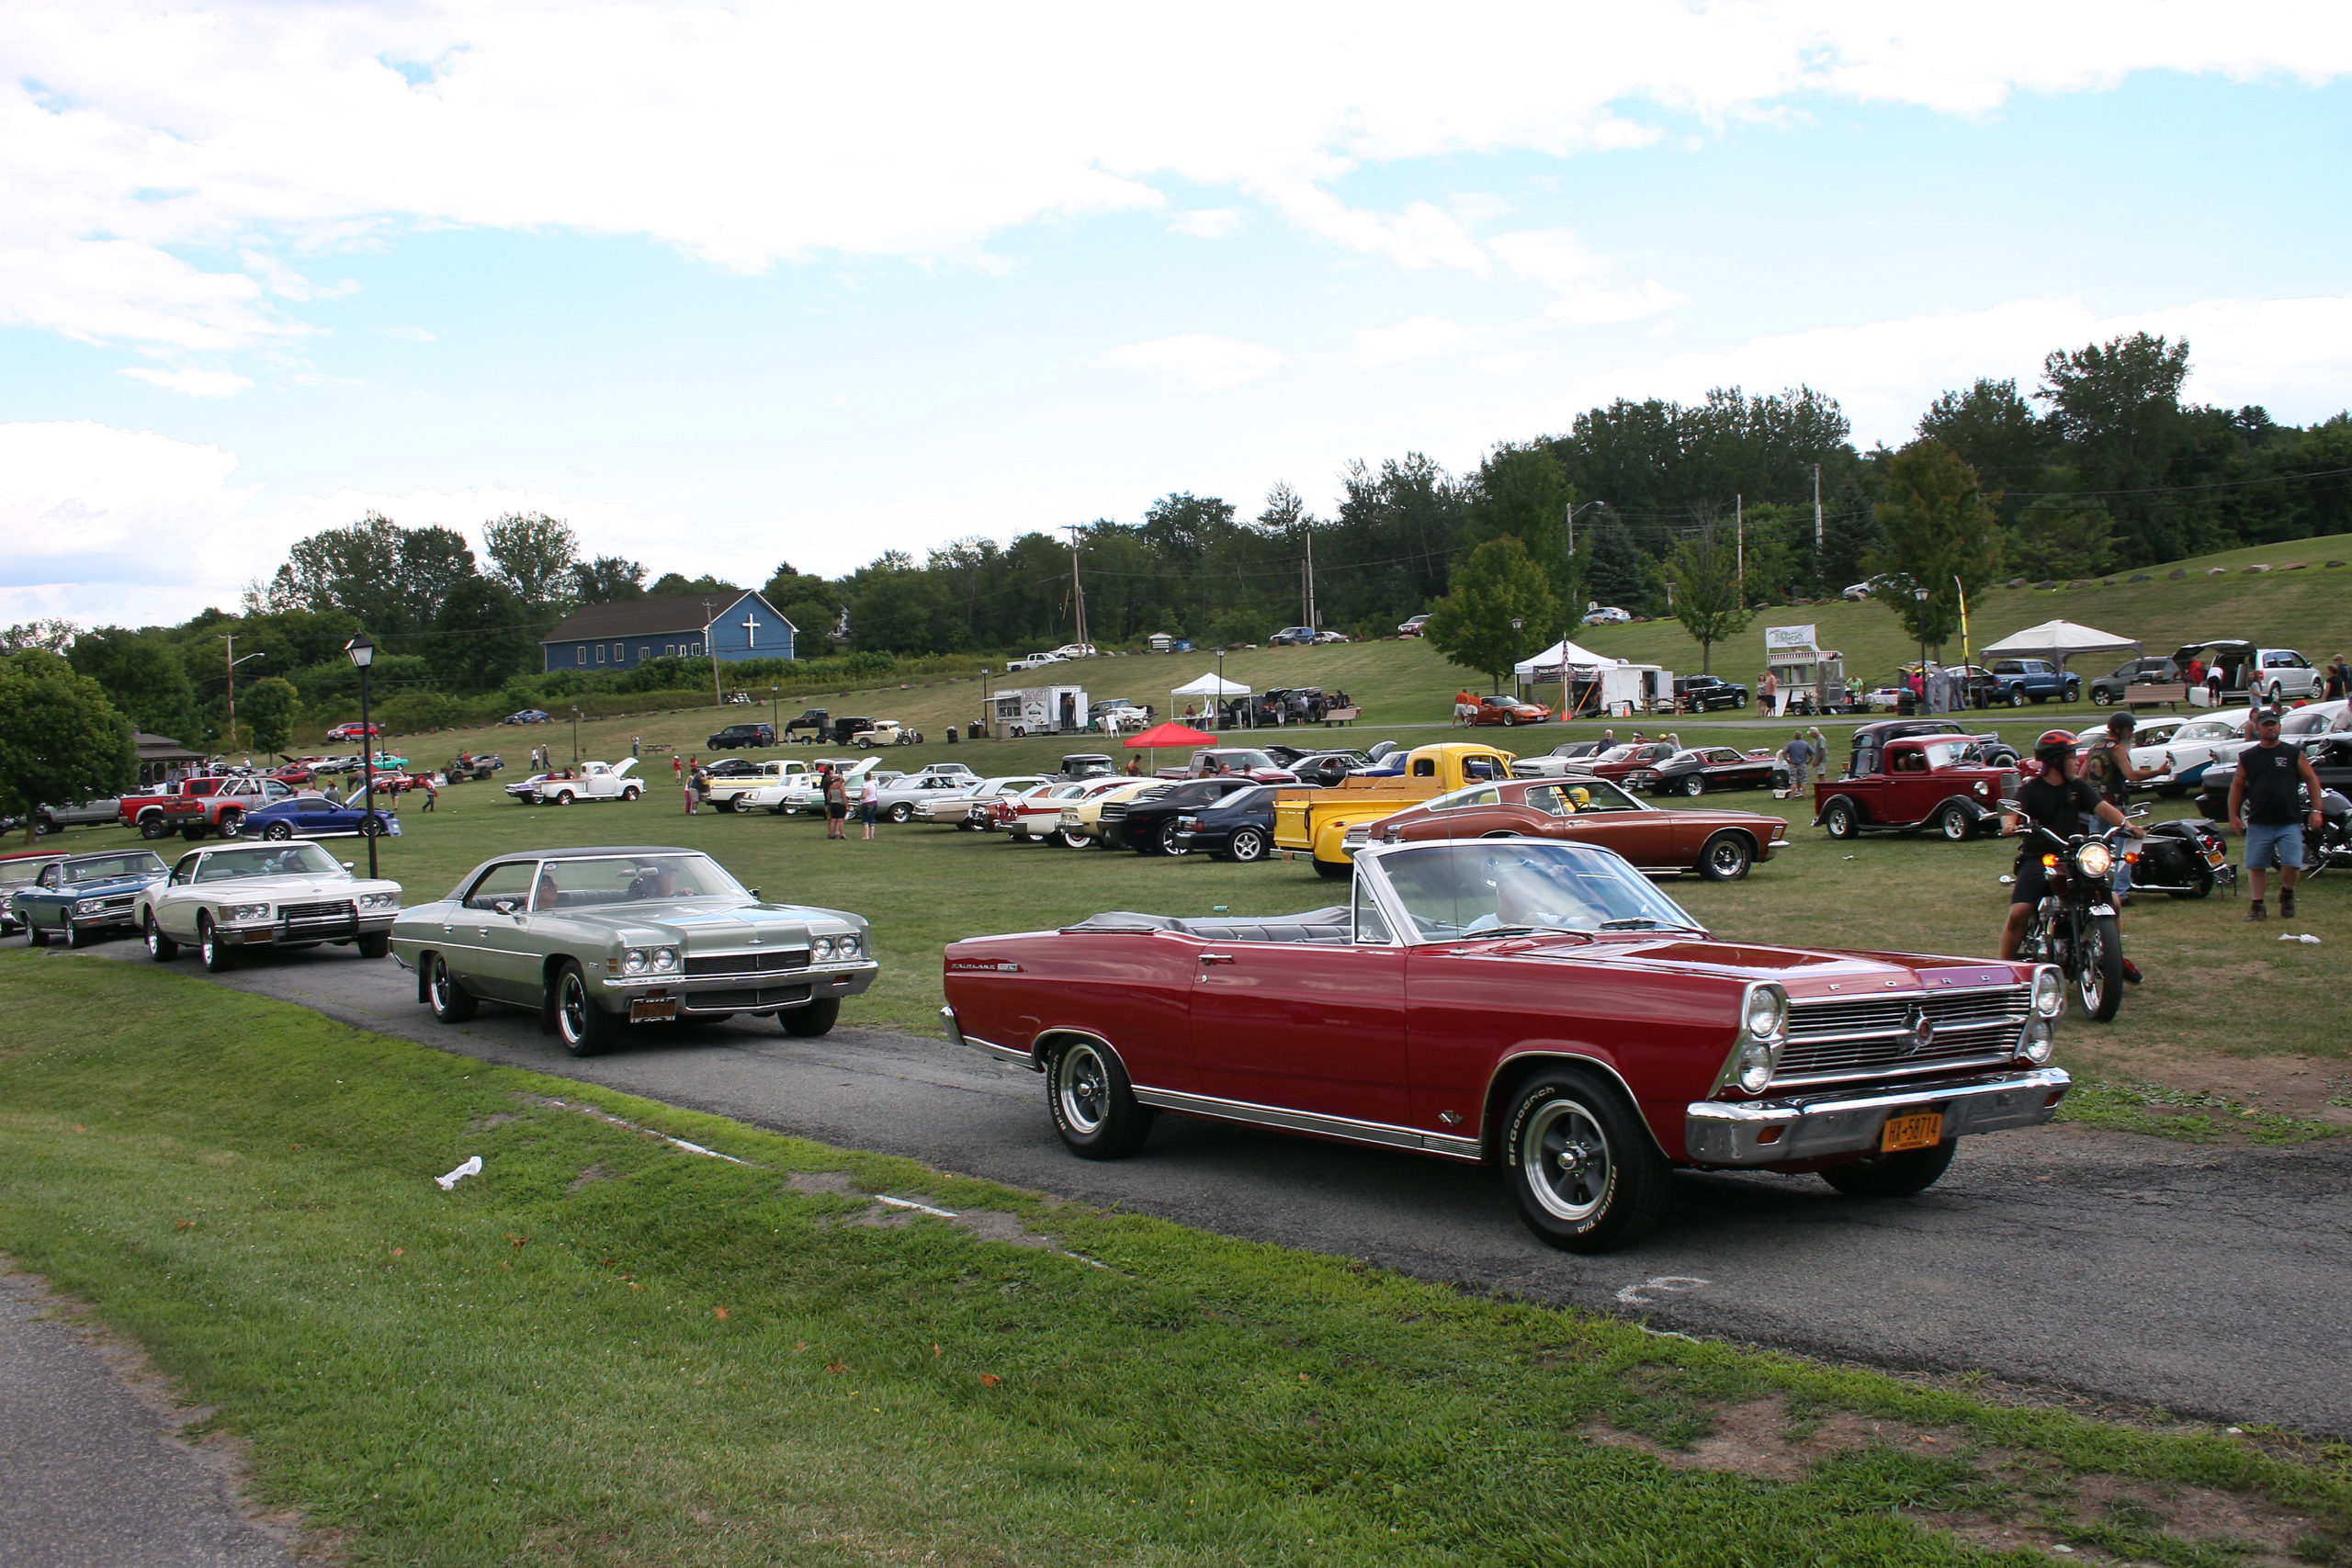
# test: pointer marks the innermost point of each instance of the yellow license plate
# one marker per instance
(663, 1010)
(1924, 1131)
(2215, 857)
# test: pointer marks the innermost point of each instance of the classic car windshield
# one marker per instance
(631, 879)
(1493, 886)
(18, 873)
(1950, 753)
(2207, 730)
(276, 860)
(113, 868)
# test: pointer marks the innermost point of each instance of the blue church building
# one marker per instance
(735, 624)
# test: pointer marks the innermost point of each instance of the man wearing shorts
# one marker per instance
(2266, 806)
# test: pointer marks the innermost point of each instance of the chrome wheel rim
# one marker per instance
(1246, 845)
(1084, 1089)
(572, 1009)
(1955, 826)
(440, 985)
(1565, 1158)
(207, 939)
(154, 938)
(1726, 858)
(2090, 982)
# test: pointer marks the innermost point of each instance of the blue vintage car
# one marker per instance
(78, 896)
(314, 816)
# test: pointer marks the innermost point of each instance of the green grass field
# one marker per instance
(605, 1350)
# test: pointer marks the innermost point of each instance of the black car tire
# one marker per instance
(585, 1029)
(1248, 846)
(2016, 696)
(232, 823)
(815, 1019)
(1165, 840)
(218, 955)
(1093, 1104)
(2100, 698)
(1956, 823)
(1695, 785)
(193, 833)
(631, 793)
(35, 936)
(902, 812)
(1905, 1175)
(2075, 692)
(160, 948)
(374, 944)
(371, 827)
(1583, 1172)
(1335, 871)
(43, 825)
(1843, 819)
(446, 995)
(78, 936)
(1510, 718)
(152, 826)
(1727, 857)
(278, 831)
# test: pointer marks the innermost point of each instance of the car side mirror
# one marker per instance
(506, 905)
(347, 866)
(755, 895)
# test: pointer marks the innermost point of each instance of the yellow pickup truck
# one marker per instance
(1317, 820)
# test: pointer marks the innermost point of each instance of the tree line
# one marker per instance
(1702, 510)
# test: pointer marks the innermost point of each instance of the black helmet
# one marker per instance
(2053, 747)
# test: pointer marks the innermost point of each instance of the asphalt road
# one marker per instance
(2206, 1281)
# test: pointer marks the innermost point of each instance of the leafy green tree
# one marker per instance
(1618, 573)
(1708, 599)
(1996, 432)
(53, 634)
(1471, 625)
(607, 580)
(532, 555)
(671, 583)
(1524, 491)
(2117, 407)
(2060, 536)
(266, 708)
(481, 638)
(60, 740)
(1939, 532)
(142, 675)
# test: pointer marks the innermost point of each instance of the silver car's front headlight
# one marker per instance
(649, 960)
(665, 959)
(245, 912)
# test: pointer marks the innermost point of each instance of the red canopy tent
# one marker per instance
(1169, 734)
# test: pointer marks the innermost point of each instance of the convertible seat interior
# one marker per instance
(1327, 925)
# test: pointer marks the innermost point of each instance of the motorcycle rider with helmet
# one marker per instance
(2055, 799)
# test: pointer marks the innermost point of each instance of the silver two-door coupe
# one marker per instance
(595, 940)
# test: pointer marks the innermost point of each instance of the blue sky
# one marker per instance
(732, 286)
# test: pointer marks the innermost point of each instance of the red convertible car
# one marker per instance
(1538, 1008)
(1718, 845)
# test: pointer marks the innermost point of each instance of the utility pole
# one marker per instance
(1739, 543)
(1077, 588)
(1312, 625)
(230, 654)
(711, 644)
(1816, 509)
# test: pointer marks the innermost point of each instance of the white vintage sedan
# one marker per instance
(237, 898)
(2182, 756)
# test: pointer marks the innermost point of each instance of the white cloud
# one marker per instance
(1202, 362)
(192, 383)
(2295, 354)
(411, 334)
(1423, 337)
(1206, 223)
(1578, 279)
(770, 132)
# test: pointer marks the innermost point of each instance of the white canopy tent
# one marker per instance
(2058, 640)
(1562, 654)
(1211, 685)
(1593, 683)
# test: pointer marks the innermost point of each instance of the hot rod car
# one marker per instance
(1539, 1007)
(1916, 780)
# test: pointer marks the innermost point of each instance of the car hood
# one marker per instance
(100, 889)
(702, 926)
(1806, 974)
(293, 890)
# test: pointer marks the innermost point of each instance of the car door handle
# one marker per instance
(1207, 958)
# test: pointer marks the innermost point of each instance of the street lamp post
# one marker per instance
(1920, 594)
(775, 710)
(363, 654)
(1219, 700)
(1572, 523)
(1516, 622)
(988, 706)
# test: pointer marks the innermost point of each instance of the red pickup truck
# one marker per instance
(197, 807)
(1952, 784)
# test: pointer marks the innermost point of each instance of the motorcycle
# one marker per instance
(2183, 859)
(2075, 925)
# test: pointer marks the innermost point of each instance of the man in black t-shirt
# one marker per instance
(2107, 768)
(2058, 801)
(2267, 805)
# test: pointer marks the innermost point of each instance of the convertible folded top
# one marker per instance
(1333, 924)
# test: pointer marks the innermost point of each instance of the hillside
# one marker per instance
(2310, 609)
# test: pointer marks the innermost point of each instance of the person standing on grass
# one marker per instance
(1767, 689)
(432, 796)
(633, 744)
(1820, 745)
(2107, 768)
(836, 805)
(1463, 705)
(2339, 679)
(2263, 806)
(869, 803)
(1798, 755)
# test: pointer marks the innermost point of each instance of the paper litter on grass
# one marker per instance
(2304, 937)
(471, 1168)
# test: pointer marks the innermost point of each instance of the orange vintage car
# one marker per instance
(1718, 845)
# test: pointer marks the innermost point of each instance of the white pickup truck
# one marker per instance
(727, 794)
(804, 791)
(597, 781)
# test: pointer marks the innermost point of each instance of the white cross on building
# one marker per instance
(751, 628)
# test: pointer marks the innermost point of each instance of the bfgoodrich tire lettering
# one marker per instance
(1093, 1104)
(1582, 1171)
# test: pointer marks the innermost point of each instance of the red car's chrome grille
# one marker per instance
(1877, 1036)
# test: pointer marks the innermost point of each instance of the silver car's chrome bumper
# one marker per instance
(1770, 1131)
(1008, 1053)
(708, 995)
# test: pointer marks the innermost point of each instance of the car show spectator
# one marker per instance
(2266, 795)
(1767, 689)
(633, 745)
(869, 803)
(432, 796)
(2194, 673)
(1798, 755)
(2107, 768)
(836, 805)
(2339, 678)
(1464, 705)
(1134, 767)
